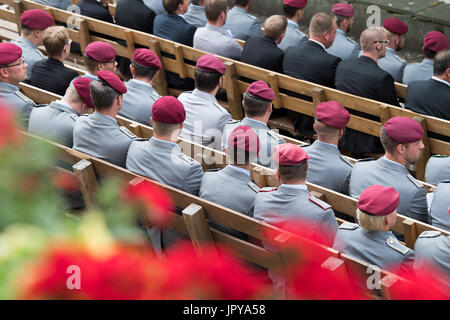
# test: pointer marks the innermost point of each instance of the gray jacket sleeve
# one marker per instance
(255, 29)
(194, 179)
(418, 206)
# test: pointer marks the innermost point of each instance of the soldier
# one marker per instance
(392, 63)
(437, 169)
(13, 70)
(232, 187)
(205, 117)
(161, 159)
(344, 47)
(241, 24)
(433, 42)
(56, 121)
(401, 138)
(99, 134)
(32, 23)
(99, 56)
(439, 205)
(371, 240)
(196, 13)
(257, 105)
(327, 167)
(140, 96)
(293, 11)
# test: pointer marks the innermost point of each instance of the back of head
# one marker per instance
(368, 36)
(254, 106)
(54, 40)
(102, 95)
(172, 5)
(275, 26)
(320, 23)
(71, 95)
(291, 162)
(213, 9)
(441, 62)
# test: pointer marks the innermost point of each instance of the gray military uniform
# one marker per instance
(267, 138)
(60, 4)
(413, 202)
(164, 161)
(344, 47)
(196, 16)
(100, 136)
(155, 5)
(380, 248)
(437, 169)
(293, 36)
(205, 118)
(439, 207)
(55, 122)
(241, 24)
(138, 101)
(393, 64)
(418, 71)
(327, 167)
(218, 41)
(17, 101)
(432, 247)
(30, 53)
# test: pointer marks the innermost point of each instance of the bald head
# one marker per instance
(368, 38)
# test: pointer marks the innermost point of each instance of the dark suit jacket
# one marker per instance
(135, 14)
(309, 61)
(173, 27)
(94, 9)
(264, 53)
(430, 97)
(51, 75)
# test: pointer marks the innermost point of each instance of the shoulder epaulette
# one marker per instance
(444, 181)
(366, 159)
(351, 40)
(430, 234)
(39, 53)
(74, 117)
(417, 183)
(128, 132)
(346, 160)
(399, 59)
(253, 186)
(233, 121)
(267, 189)
(440, 156)
(249, 15)
(273, 135)
(397, 246)
(320, 203)
(213, 170)
(349, 226)
(22, 96)
(221, 109)
(187, 158)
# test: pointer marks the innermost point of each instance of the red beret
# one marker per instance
(436, 41)
(100, 51)
(169, 110)
(112, 80)
(403, 129)
(378, 200)
(147, 58)
(82, 86)
(288, 154)
(300, 4)
(343, 9)
(211, 64)
(9, 53)
(395, 25)
(333, 114)
(244, 138)
(260, 89)
(36, 19)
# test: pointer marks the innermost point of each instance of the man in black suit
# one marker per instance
(264, 52)
(432, 97)
(135, 14)
(309, 61)
(363, 77)
(95, 9)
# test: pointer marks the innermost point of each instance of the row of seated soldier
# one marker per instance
(197, 116)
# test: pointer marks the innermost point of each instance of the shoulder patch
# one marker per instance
(320, 203)
(397, 246)
(349, 226)
(346, 160)
(253, 186)
(128, 132)
(187, 158)
(366, 160)
(267, 189)
(430, 234)
(22, 96)
(417, 183)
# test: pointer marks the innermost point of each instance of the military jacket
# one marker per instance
(241, 24)
(292, 37)
(439, 206)
(344, 47)
(17, 101)
(30, 53)
(393, 64)
(437, 169)
(418, 71)
(218, 41)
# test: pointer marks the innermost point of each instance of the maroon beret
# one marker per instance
(395, 25)
(288, 154)
(436, 41)
(112, 80)
(378, 200)
(36, 19)
(9, 53)
(81, 84)
(300, 4)
(210, 63)
(147, 58)
(169, 110)
(403, 129)
(333, 114)
(100, 51)
(343, 9)
(244, 138)
(260, 89)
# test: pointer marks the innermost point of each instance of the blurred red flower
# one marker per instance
(8, 130)
(65, 181)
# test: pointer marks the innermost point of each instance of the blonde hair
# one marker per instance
(54, 40)
(369, 222)
(274, 26)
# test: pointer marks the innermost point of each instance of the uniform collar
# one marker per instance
(378, 234)
(139, 83)
(440, 80)
(325, 146)
(204, 95)
(255, 123)
(239, 9)
(318, 43)
(239, 173)
(392, 164)
(162, 143)
(9, 86)
(216, 28)
(341, 32)
(26, 42)
(428, 61)
(390, 51)
(90, 76)
(62, 106)
(292, 24)
(294, 189)
(104, 118)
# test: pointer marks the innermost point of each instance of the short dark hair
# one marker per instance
(241, 2)
(91, 64)
(255, 107)
(290, 173)
(340, 19)
(289, 11)
(102, 95)
(206, 81)
(143, 71)
(430, 54)
(213, 9)
(25, 30)
(389, 144)
(441, 62)
(171, 5)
